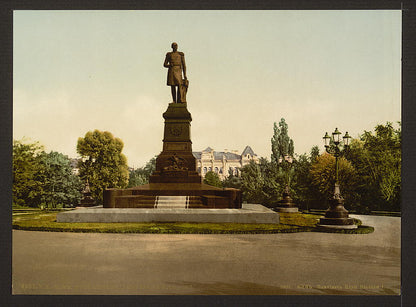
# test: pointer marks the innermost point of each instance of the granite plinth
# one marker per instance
(249, 213)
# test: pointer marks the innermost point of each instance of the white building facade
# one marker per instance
(224, 161)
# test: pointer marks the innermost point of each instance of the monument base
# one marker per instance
(248, 214)
(196, 195)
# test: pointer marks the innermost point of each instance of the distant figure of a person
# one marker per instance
(175, 62)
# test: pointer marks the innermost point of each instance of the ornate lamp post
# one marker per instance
(286, 204)
(336, 216)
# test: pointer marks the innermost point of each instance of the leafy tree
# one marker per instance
(232, 181)
(282, 145)
(136, 178)
(42, 179)
(26, 187)
(260, 182)
(141, 175)
(60, 187)
(105, 166)
(314, 153)
(301, 189)
(252, 182)
(377, 158)
(323, 176)
(213, 179)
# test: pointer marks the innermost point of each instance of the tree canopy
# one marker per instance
(213, 179)
(43, 179)
(60, 185)
(104, 165)
(141, 175)
(282, 144)
(26, 187)
(323, 176)
(377, 159)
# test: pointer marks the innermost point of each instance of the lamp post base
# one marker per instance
(286, 204)
(339, 223)
(337, 226)
(337, 216)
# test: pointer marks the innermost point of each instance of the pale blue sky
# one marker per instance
(76, 71)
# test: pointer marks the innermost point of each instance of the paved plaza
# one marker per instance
(296, 263)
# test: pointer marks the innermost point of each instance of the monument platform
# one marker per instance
(197, 195)
(248, 214)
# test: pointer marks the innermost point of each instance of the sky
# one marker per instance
(77, 71)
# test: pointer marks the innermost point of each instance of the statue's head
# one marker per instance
(174, 46)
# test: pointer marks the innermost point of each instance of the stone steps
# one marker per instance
(183, 202)
(161, 202)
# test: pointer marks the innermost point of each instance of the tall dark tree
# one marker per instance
(232, 181)
(105, 165)
(141, 175)
(43, 179)
(213, 179)
(61, 187)
(282, 144)
(377, 158)
(314, 153)
(260, 182)
(26, 187)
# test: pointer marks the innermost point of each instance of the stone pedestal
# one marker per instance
(337, 216)
(175, 174)
(286, 204)
(176, 163)
(87, 200)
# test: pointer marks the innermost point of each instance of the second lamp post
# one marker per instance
(336, 216)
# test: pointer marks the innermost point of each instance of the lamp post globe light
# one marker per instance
(336, 216)
(286, 204)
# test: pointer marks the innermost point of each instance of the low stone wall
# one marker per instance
(250, 213)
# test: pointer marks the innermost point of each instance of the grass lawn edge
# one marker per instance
(290, 223)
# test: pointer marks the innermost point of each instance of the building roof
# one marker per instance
(208, 149)
(218, 155)
(247, 151)
(228, 155)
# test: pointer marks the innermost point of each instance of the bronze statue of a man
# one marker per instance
(175, 62)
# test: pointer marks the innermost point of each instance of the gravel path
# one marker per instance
(297, 263)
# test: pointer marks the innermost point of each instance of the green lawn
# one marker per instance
(38, 220)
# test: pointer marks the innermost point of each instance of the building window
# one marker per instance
(210, 169)
(216, 170)
(205, 170)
